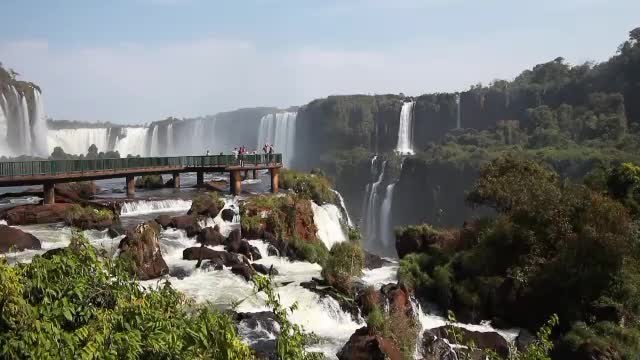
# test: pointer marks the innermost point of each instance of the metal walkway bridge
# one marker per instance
(50, 172)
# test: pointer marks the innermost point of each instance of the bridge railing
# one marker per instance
(59, 167)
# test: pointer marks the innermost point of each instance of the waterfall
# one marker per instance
(39, 125)
(153, 206)
(385, 216)
(329, 222)
(170, 150)
(457, 111)
(25, 125)
(279, 130)
(77, 141)
(4, 148)
(405, 130)
(371, 214)
(343, 207)
(22, 122)
(132, 142)
(155, 147)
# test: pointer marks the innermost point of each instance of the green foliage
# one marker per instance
(310, 251)
(396, 325)
(345, 261)
(623, 184)
(290, 344)
(252, 224)
(78, 304)
(539, 349)
(204, 200)
(603, 337)
(78, 214)
(150, 182)
(308, 186)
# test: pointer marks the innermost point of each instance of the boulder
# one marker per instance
(36, 214)
(435, 348)
(205, 253)
(188, 223)
(236, 244)
(227, 215)
(489, 340)
(75, 191)
(116, 230)
(150, 182)
(90, 217)
(264, 270)
(373, 261)
(210, 237)
(253, 326)
(16, 239)
(164, 221)
(363, 346)
(142, 246)
(272, 250)
(524, 339)
(243, 270)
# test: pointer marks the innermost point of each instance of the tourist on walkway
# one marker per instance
(271, 154)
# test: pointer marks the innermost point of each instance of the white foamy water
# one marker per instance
(344, 207)
(53, 236)
(279, 131)
(431, 320)
(142, 207)
(381, 276)
(405, 130)
(78, 141)
(328, 220)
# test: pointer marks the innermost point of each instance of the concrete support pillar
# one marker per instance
(131, 186)
(235, 182)
(199, 178)
(176, 180)
(275, 172)
(49, 193)
(255, 174)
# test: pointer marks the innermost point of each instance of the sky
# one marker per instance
(136, 61)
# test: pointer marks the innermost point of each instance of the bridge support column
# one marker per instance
(199, 178)
(275, 172)
(131, 186)
(255, 174)
(235, 182)
(49, 193)
(176, 180)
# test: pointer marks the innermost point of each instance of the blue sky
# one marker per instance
(136, 61)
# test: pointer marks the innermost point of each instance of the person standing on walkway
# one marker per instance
(271, 154)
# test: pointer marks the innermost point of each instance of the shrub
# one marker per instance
(308, 186)
(203, 201)
(310, 251)
(252, 224)
(150, 182)
(80, 304)
(345, 261)
(78, 215)
(396, 325)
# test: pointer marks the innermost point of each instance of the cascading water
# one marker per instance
(132, 141)
(141, 207)
(155, 146)
(371, 211)
(458, 111)
(328, 219)
(279, 130)
(170, 149)
(405, 130)
(385, 216)
(343, 207)
(78, 141)
(4, 146)
(22, 122)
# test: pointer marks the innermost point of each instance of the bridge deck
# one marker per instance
(38, 172)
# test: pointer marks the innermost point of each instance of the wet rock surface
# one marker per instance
(16, 239)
